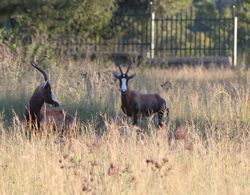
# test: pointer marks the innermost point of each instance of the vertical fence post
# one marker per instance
(235, 38)
(152, 48)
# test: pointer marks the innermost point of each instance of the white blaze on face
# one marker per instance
(124, 85)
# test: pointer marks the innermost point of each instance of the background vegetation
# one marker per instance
(72, 28)
(210, 107)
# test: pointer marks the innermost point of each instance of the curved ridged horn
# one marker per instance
(43, 72)
(119, 66)
(129, 65)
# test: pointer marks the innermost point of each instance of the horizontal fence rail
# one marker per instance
(181, 35)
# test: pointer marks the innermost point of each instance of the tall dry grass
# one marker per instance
(109, 156)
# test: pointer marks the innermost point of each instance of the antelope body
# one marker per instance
(39, 115)
(137, 105)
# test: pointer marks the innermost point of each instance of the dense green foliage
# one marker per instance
(81, 17)
(161, 7)
(44, 25)
(57, 16)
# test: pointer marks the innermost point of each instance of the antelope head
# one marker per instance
(44, 91)
(123, 79)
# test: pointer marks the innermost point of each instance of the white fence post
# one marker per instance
(152, 48)
(235, 38)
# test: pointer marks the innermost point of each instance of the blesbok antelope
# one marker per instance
(40, 115)
(135, 104)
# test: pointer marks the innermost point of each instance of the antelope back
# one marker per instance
(61, 120)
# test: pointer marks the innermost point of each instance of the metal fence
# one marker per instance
(182, 35)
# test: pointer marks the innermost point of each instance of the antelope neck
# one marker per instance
(35, 105)
(125, 97)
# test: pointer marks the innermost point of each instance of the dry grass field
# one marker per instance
(108, 155)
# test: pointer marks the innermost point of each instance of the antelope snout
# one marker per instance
(123, 92)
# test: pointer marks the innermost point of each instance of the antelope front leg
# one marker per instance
(135, 118)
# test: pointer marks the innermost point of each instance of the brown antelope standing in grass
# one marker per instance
(137, 105)
(40, 115)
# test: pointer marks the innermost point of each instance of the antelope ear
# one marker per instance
(115, 76)
(131, 77)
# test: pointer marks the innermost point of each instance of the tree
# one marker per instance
(170, 7)
(161, 7)
(58, 16)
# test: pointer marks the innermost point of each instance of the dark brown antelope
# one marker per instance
(139, 105)
(40, 115)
